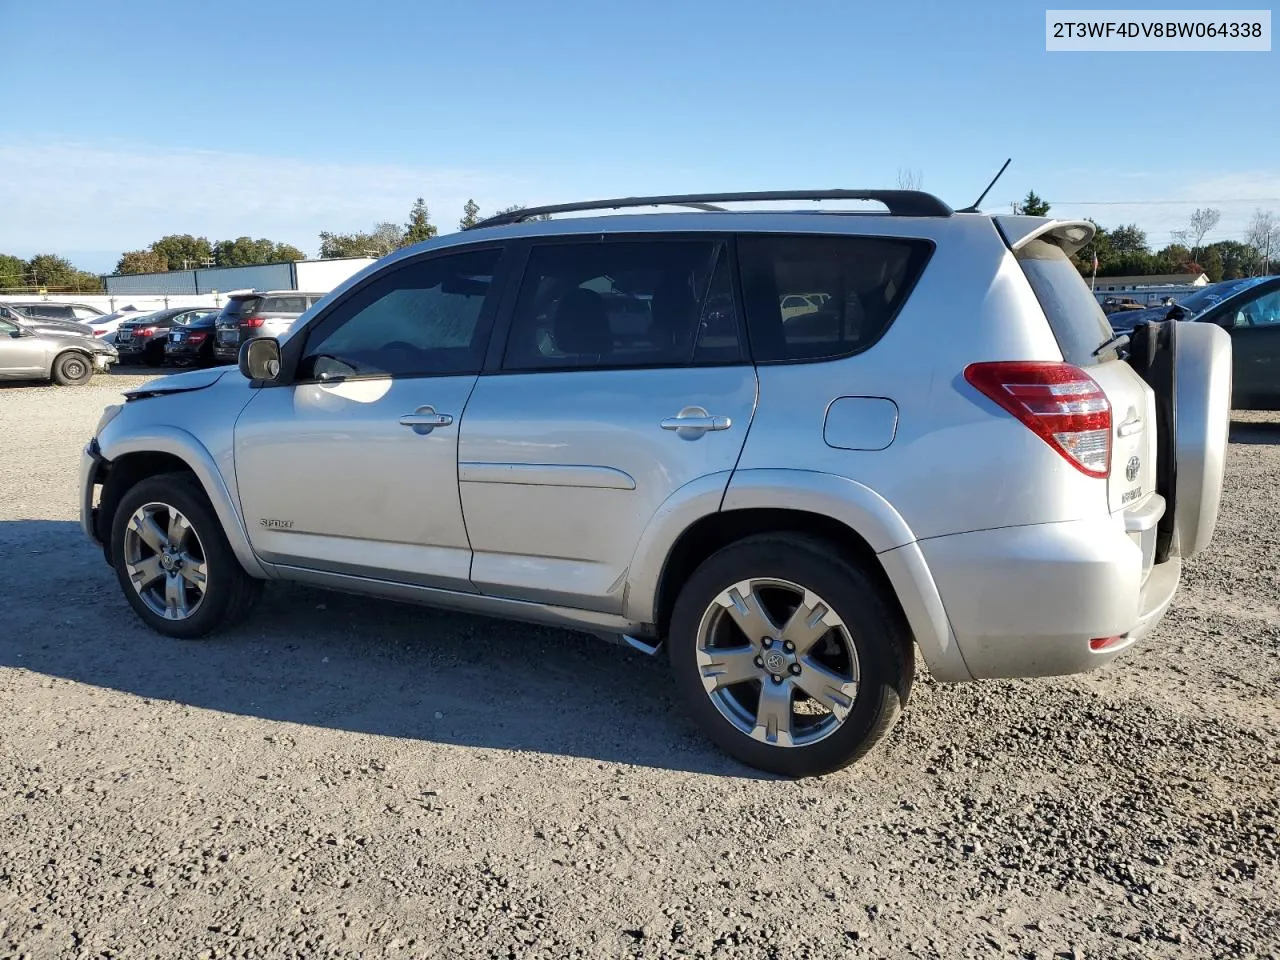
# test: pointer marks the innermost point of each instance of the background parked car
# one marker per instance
(48, 309)
(44, 324)
(142, 339)
(1186, 308)
(29, 350)
(258, 314)
(192, 343)
(104, 327)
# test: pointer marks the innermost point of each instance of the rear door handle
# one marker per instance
(425, 419)
(693, 422)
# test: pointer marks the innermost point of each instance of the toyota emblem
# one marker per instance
(1131, 469)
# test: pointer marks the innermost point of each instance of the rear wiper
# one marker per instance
(1116, 342)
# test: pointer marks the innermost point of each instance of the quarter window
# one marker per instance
(817, 297)
(421, 319)
(643, 303)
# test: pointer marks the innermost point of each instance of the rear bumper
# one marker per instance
(1026, 601)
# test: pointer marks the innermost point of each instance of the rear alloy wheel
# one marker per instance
(173, 561)
(789, 655)
(72, 369)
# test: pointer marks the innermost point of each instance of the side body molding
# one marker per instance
(186, 447)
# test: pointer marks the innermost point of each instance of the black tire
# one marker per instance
(230, 593)
(72, 369)
(875, 625)
(153, 355)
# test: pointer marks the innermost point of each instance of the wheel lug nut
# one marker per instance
(768, 642)
(795, 668)
(788, 646)
(759, 662)
(776, 678)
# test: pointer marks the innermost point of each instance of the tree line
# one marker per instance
(1123, 251)
(47, 271)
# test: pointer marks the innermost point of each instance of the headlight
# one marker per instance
(109, 413)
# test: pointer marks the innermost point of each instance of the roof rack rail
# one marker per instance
(901, 203)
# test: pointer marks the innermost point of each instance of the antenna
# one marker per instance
(974, 207)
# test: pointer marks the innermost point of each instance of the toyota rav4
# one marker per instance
(617, 423)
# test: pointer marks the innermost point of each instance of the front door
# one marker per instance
(21, 355)
(624, 379)
(353, 468)
(1253, 320)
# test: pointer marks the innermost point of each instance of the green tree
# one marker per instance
(86, 282)
(247, 252)
(46, 269)
(1033, 206)
(142, 261)
(13, 271)
(1173, 259)
(1212, 261)
(182, 251)
(470, 215)
(384, 238)
(1128, 238)
(1238, 259)
(419, 227)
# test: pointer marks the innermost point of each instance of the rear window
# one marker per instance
(285, 305)
(1074, 315)
(820, 297)
(238, 307)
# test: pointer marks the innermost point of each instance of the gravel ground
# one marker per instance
(342, 777)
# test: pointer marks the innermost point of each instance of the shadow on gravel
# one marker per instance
(1243, 431)
(349, 663)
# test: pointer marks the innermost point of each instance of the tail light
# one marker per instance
(101, 333)
(146, 331)
(1061, 404)
(252, 322)
(196, 337)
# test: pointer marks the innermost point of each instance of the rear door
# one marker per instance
(624, 378)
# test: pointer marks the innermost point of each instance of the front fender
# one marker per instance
(187, 448)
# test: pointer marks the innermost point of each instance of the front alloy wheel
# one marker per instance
(165, 561)
(173, 561)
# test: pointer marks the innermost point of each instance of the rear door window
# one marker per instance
(624, 304)
(1074, 314)
(819, 297)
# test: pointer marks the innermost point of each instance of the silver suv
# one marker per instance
(616, 424)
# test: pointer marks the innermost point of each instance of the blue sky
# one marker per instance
(281, 118)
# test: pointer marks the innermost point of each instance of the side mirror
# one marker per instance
(260, 359)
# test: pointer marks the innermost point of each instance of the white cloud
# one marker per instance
(115, 197)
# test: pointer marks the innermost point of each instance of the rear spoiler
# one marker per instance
(1070, 235)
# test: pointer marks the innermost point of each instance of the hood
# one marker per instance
(182, 382)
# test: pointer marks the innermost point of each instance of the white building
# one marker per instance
(1150, 289)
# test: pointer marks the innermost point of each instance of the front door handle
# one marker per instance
(696, 423)
(425, 419)
(692, 422)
